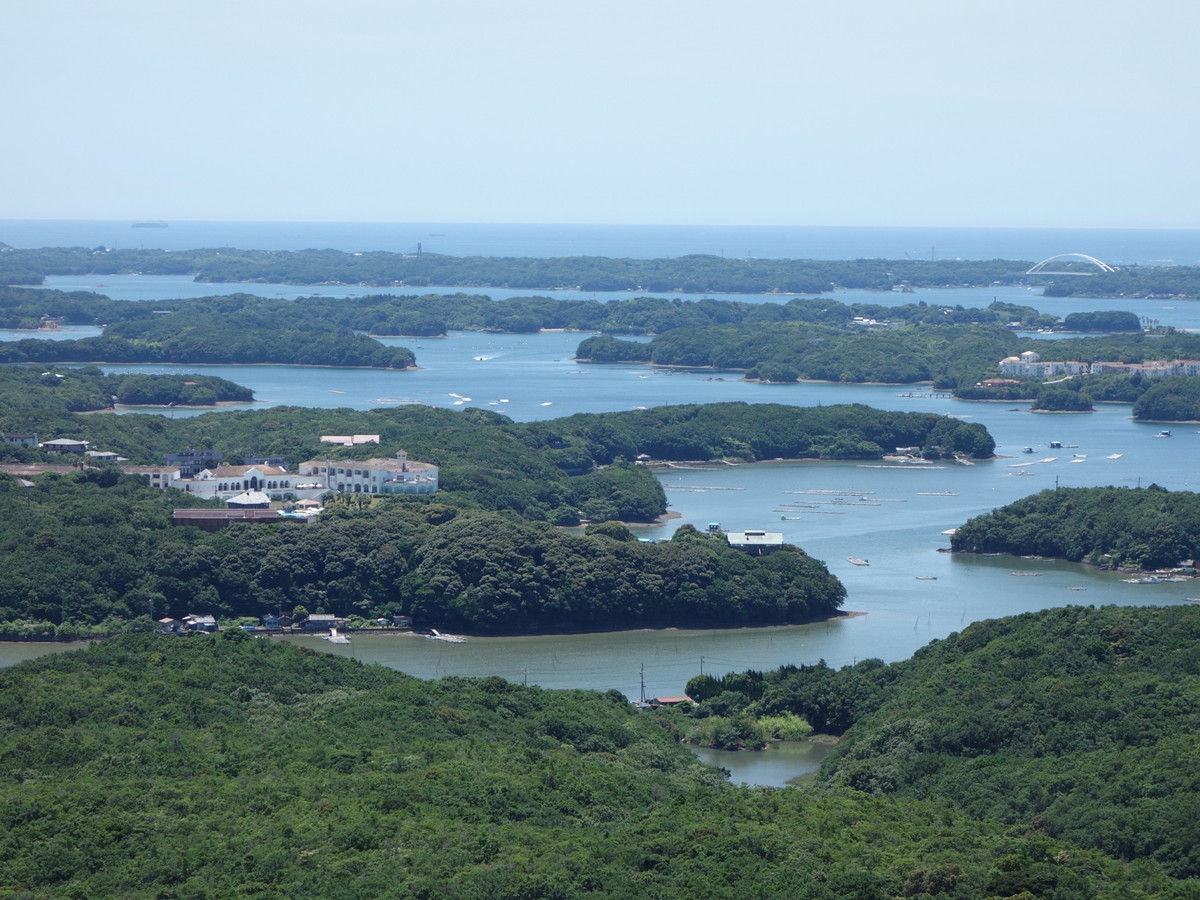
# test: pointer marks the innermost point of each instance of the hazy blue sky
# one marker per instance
(860, 112)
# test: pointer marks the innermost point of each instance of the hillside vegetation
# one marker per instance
(1075, 723)
(224, 766)
(94, 549)
(85, 389)
(698, 273)
(1140, 528)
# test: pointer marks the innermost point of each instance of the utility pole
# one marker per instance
(643, 677)
(525, 675)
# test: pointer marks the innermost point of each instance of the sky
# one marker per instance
(1022, 113)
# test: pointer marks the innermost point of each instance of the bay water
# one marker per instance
(892, 515)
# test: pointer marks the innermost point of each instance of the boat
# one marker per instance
(1145, 579)
(1114, 456)
(1163, 434)
(435, 635)
(926, 578)
(334, 638)
(857, 560)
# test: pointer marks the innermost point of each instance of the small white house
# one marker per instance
(756, 542)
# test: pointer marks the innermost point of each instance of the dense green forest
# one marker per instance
(1107, 321)
(691, 274)
(97, 549)
(1133, 281)
(435, 314)
(212, 343)
(224, 766)
(1075, 723)
(87, 389)
(94, 547)
(950, 356)
(1170, 400)
(482, 451)
(947, 355)
(1139, 528)
(1175, 398)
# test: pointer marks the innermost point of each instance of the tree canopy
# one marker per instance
(1076, 723)
(153, 766)
(1140, 528)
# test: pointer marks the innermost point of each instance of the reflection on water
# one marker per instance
(777, 766)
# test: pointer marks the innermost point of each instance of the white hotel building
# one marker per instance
(373, 476)
(1030, 364)
(316, 478)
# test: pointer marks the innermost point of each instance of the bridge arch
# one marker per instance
(1041, 268)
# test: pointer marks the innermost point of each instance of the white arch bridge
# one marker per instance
(1050, 266)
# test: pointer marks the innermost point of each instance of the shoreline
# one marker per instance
(403, 632)
(400, 632)
(1120, 570)
(140, 407)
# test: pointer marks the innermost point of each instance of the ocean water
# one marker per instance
(1115, 246)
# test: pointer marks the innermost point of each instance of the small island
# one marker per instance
(1134, 529)
(488, 553)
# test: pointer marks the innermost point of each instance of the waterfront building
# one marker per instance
(374, 476)
(755, 542)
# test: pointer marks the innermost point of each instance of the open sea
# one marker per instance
(894, 516)
(1114, 246)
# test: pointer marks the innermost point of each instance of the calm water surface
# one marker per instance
(777, 766)
(1180, 313)
(892, 515)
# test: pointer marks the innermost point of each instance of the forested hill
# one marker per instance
(1181, 282)
(435, 314)
(224, 766)
(690, 274)
(1076, 724)
(87, 389)
(1138, 528)
(479, 450)
(1081, 721)
(95, 552)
